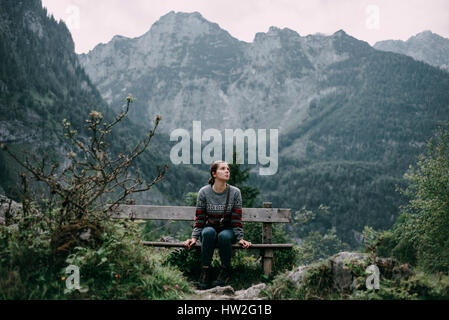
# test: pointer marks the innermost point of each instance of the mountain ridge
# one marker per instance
(228, 61)
(425, 46)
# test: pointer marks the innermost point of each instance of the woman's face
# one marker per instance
(223, 172)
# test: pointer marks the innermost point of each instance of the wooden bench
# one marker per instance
(266, 215)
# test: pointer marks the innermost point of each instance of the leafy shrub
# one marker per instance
(420, 286)
(27, 268)
(284, 259)
(316, 285)
(123, 269)
(420, 234)
(316, 247)
(429, 286)
(119, 268)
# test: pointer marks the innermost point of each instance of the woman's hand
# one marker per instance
(244, 244)
(189, 243)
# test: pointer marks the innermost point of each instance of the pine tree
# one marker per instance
(238, 177)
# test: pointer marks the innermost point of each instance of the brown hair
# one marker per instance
(213, 169)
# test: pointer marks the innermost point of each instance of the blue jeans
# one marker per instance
(225, 240)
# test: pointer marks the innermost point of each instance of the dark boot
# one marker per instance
(203, 281)
(223, 277)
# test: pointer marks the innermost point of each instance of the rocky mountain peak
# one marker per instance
(276, 33)
(183, 25)
(425, 46)
(340, 33)
(424, 35)
(346, 44)
(119, 38)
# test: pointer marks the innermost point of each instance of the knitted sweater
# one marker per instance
(210, 205)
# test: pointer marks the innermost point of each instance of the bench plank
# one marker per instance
(235, 246)
(180, 213)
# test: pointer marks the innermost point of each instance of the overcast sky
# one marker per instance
(95, 21)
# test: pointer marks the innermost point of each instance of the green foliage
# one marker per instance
(188, 261)
(238, 178)
(120, 268)
(124, 269)
(420, 236)
(429, 286)
(359, 193)
(388, 290)
(420, 286)
(315, 285)
(372, 240)
(314, 245)
(27, 269)
(282, 288)
(190, 198)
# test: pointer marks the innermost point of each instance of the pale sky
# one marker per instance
(96, 21)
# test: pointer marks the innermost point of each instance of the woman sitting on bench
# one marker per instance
(217, 219)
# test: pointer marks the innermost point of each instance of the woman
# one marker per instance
(212, 225)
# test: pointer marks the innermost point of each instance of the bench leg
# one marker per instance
(267, 261)
(267, 234)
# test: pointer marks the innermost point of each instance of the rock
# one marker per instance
(12, 208)
(216, 293)
(228, 293)
(8, 206)
(251, 293)
(392, 269)
(344, 279)
(86, 235)
(297, 275)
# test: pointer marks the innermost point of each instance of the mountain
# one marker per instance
(42, 83)
(165, 67)
(355, 141)
(425, 46)
(185, 66)
(351, 118)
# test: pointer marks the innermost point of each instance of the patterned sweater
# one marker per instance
(210, 205)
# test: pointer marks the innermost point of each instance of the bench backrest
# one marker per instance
(147, 212)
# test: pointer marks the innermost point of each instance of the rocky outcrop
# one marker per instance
(345, 273)
(8, 209)
(344, 278)
(349, 271)
(228, 293)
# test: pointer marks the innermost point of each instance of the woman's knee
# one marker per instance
(209, 233)
(225, 236)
